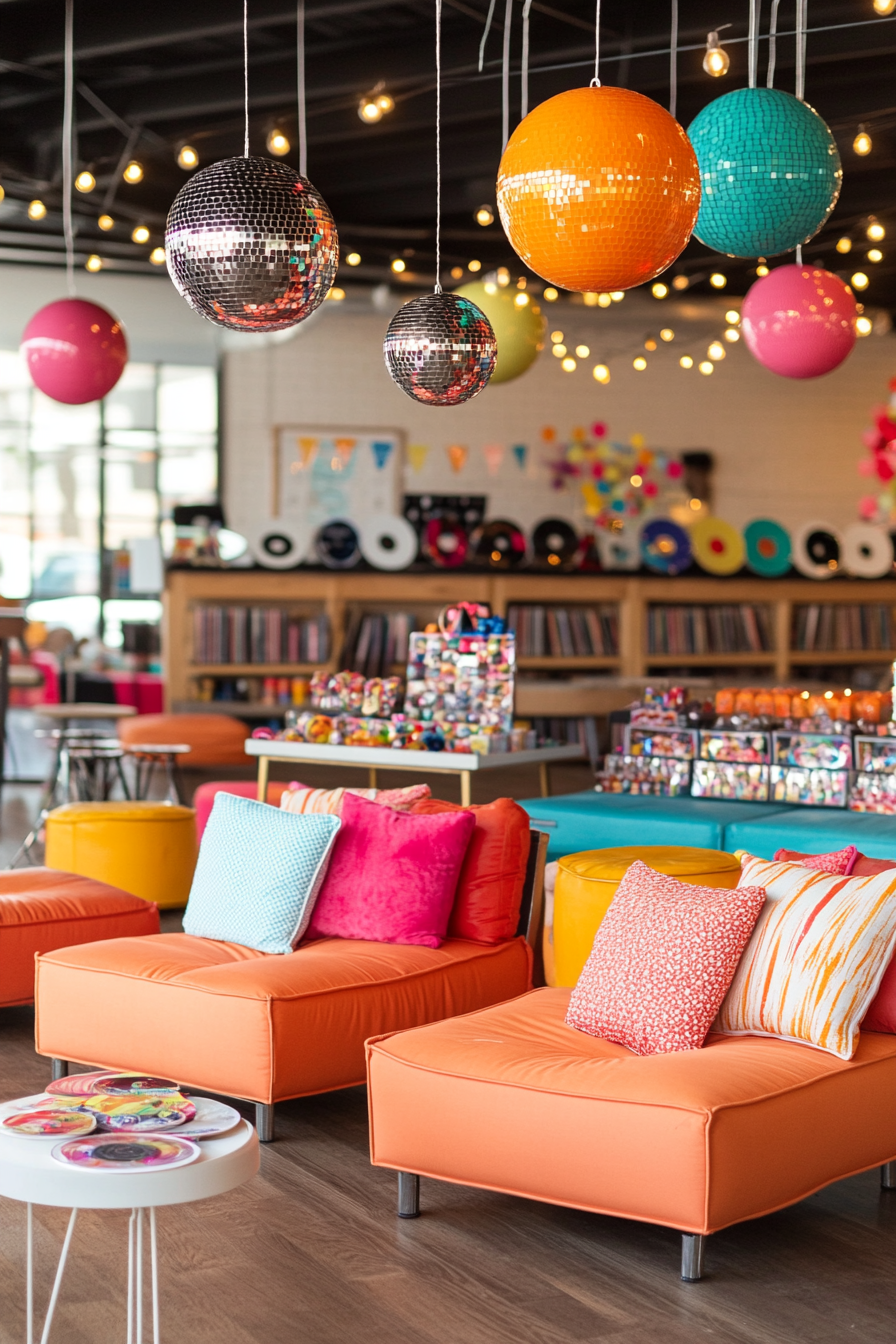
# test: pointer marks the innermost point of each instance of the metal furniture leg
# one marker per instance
(888, 1176)
(408, 1195)
(58, 1069)
(691, 1257)
(264, 1122)
(29, 1278)
(131, 1226)
(154, 1261)
(174, 794)
(57, 1282)
(138, 1285)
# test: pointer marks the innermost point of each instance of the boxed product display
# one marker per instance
(809, 787)
(680, 743)
(662, 776)
(463, 679)
(825, 751)
(874, 786)
(730, 745)
(732, 780)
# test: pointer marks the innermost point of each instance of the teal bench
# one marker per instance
(814, 830)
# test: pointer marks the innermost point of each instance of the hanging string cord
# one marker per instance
(753, 43)
(801, 18)
(524, 64)
(246, 75)
(485, 33)
(505, 76)
(673, 61)
(595, 83)
(772, 45)
(438, 286)
(68, 147)
(300, 68)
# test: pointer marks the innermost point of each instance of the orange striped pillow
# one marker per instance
(816, 956)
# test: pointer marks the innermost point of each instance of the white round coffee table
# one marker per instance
(29, 1174)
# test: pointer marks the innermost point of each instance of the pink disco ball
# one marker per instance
(799, 321)
(76, 351)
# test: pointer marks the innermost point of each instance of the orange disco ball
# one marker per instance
(598, 189)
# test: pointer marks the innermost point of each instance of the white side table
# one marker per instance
(28, 1173)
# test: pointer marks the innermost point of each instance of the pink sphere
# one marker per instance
(799, 321)
(76, 351)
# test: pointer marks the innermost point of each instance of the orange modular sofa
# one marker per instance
(509, 1098)
(42, 909)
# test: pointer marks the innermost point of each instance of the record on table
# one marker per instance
(78, 1084)
(555, 543)
(768, 547)
(337, 544)
(445, 543)
(135, 1085)
(212, 1117)
(136, 1115)
(816, 550)
(499, 544)
(121, 1152)
(665, 546)
(50, 1124)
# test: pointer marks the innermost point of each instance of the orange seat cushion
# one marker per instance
(224, 1017)
(213, 739)
(42, 909)
(512, 1099)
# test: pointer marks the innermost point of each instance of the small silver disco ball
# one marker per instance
(440, 349)
(251, 245)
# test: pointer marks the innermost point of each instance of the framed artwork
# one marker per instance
(326, 471)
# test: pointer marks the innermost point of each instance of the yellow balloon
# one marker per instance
(519, 327)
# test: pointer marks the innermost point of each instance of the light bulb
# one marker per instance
(883, 7)
(385, 103)
(862, 143)
(639, 363)
(582, 351)
(2, 193)
(85, 181)
(859, 280)
(157, 256)
(650, 344)
(187, 158)
(680, 282)
(93, 263)
(706, 366)
(277, 143)
(502, 276)
(551, 294)
(591, 300)
(617, 295)
(140, 234)
(353, 259)
(485, 215)
(568, 364)
(718, 280)
(604, 300)
(732, 334)
(732, 317)
(716, 61)
(133, 172)
(695, 504)
(716, 350)
(457, 272)
(37, 210)
(106, 222)
(844, 245)
(636, 480)
(875, 230)
(667, 334)
(369, 111)
(875, 254)
(336, 295)
(474, 266)
(686, 362)
(864, 326)
(556, 337)
(659, 290)
(559, 349)
(601, 373)
(490, 287)
(521, 282)
(521, 300)
(761, 269)
(398, 266)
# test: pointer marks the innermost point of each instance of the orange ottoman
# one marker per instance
(42, 909)
(512, 1099)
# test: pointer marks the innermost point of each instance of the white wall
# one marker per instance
(783, 448)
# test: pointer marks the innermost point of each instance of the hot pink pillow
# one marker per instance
(392, 875)
(662, 961)
(840, 862)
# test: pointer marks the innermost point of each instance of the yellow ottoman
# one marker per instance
(587, 882)
(146, 848)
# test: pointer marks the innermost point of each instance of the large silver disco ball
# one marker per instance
(440, 349)
(251, 245)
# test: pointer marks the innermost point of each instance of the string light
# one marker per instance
(106, 222)
(716, 61)
(568, 364)
(521, 282)
(716, 350)
(551, 294)
(844, 245)
(521, 300)
(882, 7)
(93, 263)
(559, 349)
(862, 143)
(875, 254)
(659, 290)
(502, 276)
(604, 300)
(556, 337)
(485, 215)
(133, 172)
(157, 256)
(875, 230)
(457, 272)
(686, 362)
(636, 480)
(369, 110)
(864, 326)
(37, 210)
(2, 193)
(859, 280)
(589, 299)
(187, 158)
(140, 234)
(617, 295)
(353, 259)
(474, 266)
(336, 295)
(398, 266)
(732, 317)
(639, 363)
(601, 373)
(680, 282)
(85, 181)
(277, 143)
(385, 103)
(490, 287)
(582, 351)
(667, 334)
(706, 366)
(761, 269)
(718, 280)
(732, 334)
(650, 344)
(696, 504)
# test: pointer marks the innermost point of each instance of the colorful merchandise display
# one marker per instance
(660, 776)
(799, 321)
(55, 1124)
(115, 1152)
(462, 680)
(874, 786)
(730, 780)
(680, 744)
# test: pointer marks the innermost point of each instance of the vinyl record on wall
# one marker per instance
(337, 544)
(768, 547)
(718, 547)
(499, 544)
(665, 546)
(817, 548)
(555, 544)
(388, 541)
(279, 544)
(445, 543)
(867, 551)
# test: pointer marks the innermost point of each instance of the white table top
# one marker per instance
(28, 1173)
(387, 758)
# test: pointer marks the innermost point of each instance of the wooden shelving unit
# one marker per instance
(340, 594)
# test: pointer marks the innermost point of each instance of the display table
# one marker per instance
(424, 762)
(28, 1173)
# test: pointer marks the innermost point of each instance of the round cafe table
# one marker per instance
(29, 1174)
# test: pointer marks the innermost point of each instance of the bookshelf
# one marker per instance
(846, 610)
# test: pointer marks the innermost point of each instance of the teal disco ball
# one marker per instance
(769, 172)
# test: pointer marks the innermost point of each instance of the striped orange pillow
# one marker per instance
(816, 956)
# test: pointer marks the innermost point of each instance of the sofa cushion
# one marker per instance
(204, 797)
(224, 1017)
(511, 1099)
(840, 861)
(302, 798)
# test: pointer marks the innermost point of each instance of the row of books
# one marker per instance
(743, 628)
(374, 643)
(564, 632)
(258, 635)
(831, 627)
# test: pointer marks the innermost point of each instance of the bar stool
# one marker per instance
(146, 756)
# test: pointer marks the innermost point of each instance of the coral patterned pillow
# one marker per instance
(299, 798)
(817, 956)
(840, 861)
(662, 961)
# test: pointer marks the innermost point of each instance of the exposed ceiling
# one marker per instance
(151, 77)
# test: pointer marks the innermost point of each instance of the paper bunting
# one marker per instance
(457, 456)
(519, 452)
(307, 450)
(381, 453)
(345, 448)
(494, 456)
(417, 455)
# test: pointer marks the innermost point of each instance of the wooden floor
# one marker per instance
(310, 1252)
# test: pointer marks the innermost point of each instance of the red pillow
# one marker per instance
(490, 891)
(862, 866)
(840, 862)
(662, 961)
(392, 876)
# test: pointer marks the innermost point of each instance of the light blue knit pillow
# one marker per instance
(258, 874)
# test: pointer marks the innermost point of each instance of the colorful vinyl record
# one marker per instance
(816, 550)
(120, 1152)
(139, 1114)
(212, 1117)
(665, 547)
(768, 548)
(499, 544)
(388, 541)
(718, 547)
(279, 543)
(51, 1124)
(78, 1084)
(445, 543)
(555, 543)
(337, 544)
(867, 551)
(135, 1085)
